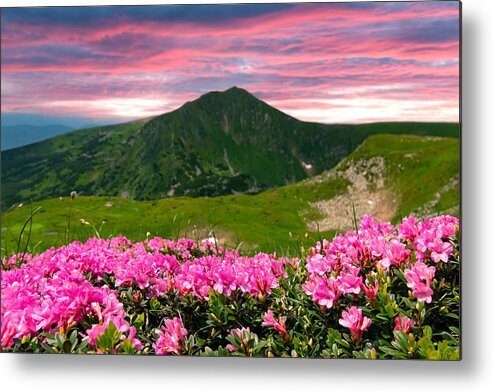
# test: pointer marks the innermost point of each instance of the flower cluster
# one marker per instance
(256, 275)
(280, 326)
(59, 288)
(404, 324)
(42, 297)
(345, 265)
(114, 295)
(354, 320)
(419, 278)
(430, 237)
(238, 336)
(172, 338)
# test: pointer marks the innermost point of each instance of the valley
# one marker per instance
(388, 176)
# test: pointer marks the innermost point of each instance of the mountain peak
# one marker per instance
(230, 93)
(236, 90)
(235, 100)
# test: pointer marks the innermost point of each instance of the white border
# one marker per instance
(90, 373)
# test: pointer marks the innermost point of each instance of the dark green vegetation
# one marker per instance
(222, 143)
(416, 169)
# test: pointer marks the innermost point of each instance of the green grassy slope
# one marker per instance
(222, 143)
(416, 169)
(260, 221)
(422, 172)
(59, 165)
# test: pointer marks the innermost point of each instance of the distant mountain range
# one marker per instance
(20, 135)
(21, 129)
(222, 143)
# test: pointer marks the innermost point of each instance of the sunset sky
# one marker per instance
(332, 62)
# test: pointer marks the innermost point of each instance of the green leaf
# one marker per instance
(400, 274)
(358, 355)
(83, 345)
(345, 342)
(67, 346)
(261, 344)
(73, 337)
(48, 348)
(427, 332)
(59, 340)
(109, 338)
(127, 347)
(426, 348)
(390, 310)
(455, 330)
(154, 304)
(402, 341)
(394, 353)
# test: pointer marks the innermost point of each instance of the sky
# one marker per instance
(324, 62)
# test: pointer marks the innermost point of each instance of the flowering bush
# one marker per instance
(377, 292)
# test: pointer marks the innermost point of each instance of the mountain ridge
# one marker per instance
(221, 143)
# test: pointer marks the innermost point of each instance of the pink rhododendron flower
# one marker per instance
(369, 224)
(278, 326)
(445, 225)
(396, 253)
(408, 229)
(231, 348)
(403, 324)
(9, 332)
(440, 250)
(354, 320)
(371, 290)
(319, 264)
(13, 260)
(388, 253)
(171, 338)
(241, 333)
(419, 278)
(95, 332)
(433, 239)
(132, 332)
(378, 246)
(323, 291)
(349, 283)
(121, 325)
(64, 288)
(256, 275)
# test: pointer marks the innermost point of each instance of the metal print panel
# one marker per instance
(261, 180)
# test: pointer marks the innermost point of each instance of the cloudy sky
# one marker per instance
(332, 62)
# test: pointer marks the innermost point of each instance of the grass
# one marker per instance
(274, 220)
(416, 169)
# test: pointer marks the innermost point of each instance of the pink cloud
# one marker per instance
(323, 58)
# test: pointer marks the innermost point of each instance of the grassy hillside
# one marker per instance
(423, 173)
(59, 165)
(264, 220)
(405, 174)
(222, 143)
